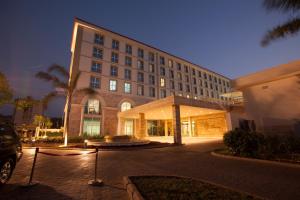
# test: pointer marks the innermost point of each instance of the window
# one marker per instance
(170, 63)
(199, 73)
(216, 87)
(200, 81)
(162, 82)
(195, 90)
(180, 86)
(194, 81)
(97, 53)
(151, 68)
(220, 81)
(188, 88)
(151, 57)
(172, 86)
(127, 88)
(128, 49)
(128, 61)
(94, 82)
(212, 95)
(115, 44)
(162, 71)
(163, 93)
(205, 76)
(127, 74)
(206, 85)
(140, 77)
(211, 86)
(227, 83)
(151, 91)
(151, 79)
(223, 82)
(140, 90)
(140, 65)
(187, 79)
(114, 71)
(112, 85)
(215, 79)
(186, 68)
(92, 106)
(178, 66)
(114, 57)
(171, 74)
(193, 71)
(210, 78)
(201, 91)
(125, 106)
(162, 60)
(99, 39)
(179, 76)
(140, 53)
(96, 67)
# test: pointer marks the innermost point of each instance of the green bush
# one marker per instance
(281, 145)
(244, 143)
(54, 134)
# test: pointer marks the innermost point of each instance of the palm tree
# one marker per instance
(289, 28)
(6, 93)
(61, 80)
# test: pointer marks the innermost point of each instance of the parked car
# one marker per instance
(10, 151)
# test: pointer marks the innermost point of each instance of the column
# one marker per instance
(166, 128)
(176, 124)
(142, 126)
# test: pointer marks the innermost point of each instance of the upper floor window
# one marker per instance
(151, 91)
(127, 88)
(140, 90)
(186, 68)
(215, 79)
(199, 73)
(151, 68)
(205, 76)
(178, 66)
(96, 67)
(162, 60)
(151, 57)
(162, 82)
(210, 78)
(171, 74)
(99, 39)
(128, 61)
(140, 53)
(180, 86)
(94, 82)
(170, 63)
(162, 71)
(151, 79)
(114, 57)
(227, 83)
(97, 53)
(140, 77)
(112, 85)
(193, 71)
(163, 93)
(92, 106)
(172, 86)
(195, 90)
(125, 106)
(128, 49)
(114, 71)
(115, 44)
(140, 64)
(179, 76)
(127, 74)
(194, 81)
(188, 88)
(187, 79)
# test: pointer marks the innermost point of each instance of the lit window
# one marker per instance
(125, 106)
(140, 90)
(112, 85)
(99, 39)
(127, 88)
(94, 82)
(115, 44)
(151, 68)
(92, 106)
(162, 82)
(97, 53)
(170, 63)
(140, 65)
(96, 67)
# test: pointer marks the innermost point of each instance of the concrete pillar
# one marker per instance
(119, 126)
(228, 121)
(190, 126)
(141, 133)
(166, 128)
(176, 124)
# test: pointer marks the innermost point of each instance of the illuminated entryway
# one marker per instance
(128, 127)
(176, 117)
(91, 122)
(91, 127)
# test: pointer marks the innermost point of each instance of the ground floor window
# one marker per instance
(91, 126)
(156, 127)
(128, 127)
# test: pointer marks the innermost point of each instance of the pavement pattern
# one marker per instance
(67, 177)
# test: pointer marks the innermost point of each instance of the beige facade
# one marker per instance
(272, 98)
(105, 59)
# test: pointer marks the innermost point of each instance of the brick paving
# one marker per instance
(67, 177)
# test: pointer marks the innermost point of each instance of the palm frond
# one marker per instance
(49, 97)
(44, 76)
(87, 91)
(288, 29)
(60, 69)
(283, 5)
(56, 82)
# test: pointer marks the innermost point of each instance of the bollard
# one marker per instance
(96, 182)
(30, 183)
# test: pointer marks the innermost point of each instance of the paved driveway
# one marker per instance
(67, 177)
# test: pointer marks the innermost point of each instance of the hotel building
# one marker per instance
(144, 91)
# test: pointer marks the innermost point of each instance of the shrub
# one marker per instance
(54, 134)
(244, 143)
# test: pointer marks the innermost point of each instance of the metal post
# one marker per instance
(29, 184)
(96, 182)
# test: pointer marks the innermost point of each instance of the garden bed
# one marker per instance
(177, 188)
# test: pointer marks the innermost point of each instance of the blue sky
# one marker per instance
(222, 35)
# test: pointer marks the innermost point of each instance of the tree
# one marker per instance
(6, 93)
(42, 122)
(290, 28)
(62, 81)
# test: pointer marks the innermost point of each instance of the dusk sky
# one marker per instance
(221, 35)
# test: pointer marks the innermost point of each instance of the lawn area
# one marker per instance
(178, 188)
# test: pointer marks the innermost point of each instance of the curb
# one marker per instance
(61, 148)
(132, 191)
(255, 160)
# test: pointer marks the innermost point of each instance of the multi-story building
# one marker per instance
(127, 73)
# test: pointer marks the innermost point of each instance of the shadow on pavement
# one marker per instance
(39, 191)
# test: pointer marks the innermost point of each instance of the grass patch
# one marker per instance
(177, 188)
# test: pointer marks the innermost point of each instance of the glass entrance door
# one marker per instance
(91, 126)
(128, 127)
(185, 128)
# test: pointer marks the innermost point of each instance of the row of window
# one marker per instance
(93, 106)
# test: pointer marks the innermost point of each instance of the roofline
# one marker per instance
(83, 22)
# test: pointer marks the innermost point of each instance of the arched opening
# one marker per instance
(128, 125)
(125, 106)
(92, 118)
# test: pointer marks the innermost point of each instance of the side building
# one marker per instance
(126, 74)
